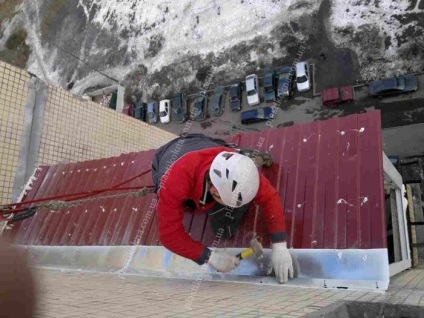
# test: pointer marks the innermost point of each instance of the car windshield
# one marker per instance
(198, 109)
(200, 98)
(151, 115)
(268, 89)
(261, 113)
(302, 79)
(251, 92)
(162, 114)
(178, 110)
(401, 82)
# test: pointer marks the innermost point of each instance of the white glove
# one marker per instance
(223, 261)
(282, 262)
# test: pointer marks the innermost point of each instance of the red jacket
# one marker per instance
(184, 180)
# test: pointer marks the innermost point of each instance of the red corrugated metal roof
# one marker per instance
(329, 175)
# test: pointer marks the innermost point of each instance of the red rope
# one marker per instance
(75, 196)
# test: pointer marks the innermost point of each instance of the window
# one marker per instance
(302, 79)
(251, 92)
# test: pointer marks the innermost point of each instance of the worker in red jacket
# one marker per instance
(206, 175)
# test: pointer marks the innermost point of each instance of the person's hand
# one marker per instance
(222, 261)
(282, 262)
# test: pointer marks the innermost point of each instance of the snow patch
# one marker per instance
(350, 19)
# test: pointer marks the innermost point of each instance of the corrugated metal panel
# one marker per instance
(329, 175)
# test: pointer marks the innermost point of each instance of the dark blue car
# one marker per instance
(200, 106)
(152, 113)
(179, 108)
(257, 115)
(270, 81)
(140, 111)
(393, 86)
(217, 101)
(235, 97)
(285, 83)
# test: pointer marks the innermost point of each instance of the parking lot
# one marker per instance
(305, 107)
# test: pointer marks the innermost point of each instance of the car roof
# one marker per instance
(268, 79)
(300, 69)
(151, 106)
(215, 100)
(386, 83)
(198, 104)
(330, 94)
(250, 82)
(176, 100)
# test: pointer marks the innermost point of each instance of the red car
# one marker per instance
(334, 96)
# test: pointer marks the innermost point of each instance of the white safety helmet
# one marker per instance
(236, 178)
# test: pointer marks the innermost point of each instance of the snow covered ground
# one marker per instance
(156, 47)
(383, 30)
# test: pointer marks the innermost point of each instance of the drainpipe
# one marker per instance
(31, 135)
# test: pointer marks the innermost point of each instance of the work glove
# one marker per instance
(282, 262)
(222, 261)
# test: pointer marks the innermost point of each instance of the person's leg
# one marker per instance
(259, 157)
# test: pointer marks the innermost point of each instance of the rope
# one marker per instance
(75, 196)
(59, 205)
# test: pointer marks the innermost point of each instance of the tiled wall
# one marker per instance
(13, 91)
(77, 130)
(74, 129)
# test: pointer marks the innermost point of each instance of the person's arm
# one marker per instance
(174, 237)
(172, 234)
(272, 208)
(273, 211)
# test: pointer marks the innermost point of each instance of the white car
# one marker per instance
(164, 114)
(303, 81)
(252, 89)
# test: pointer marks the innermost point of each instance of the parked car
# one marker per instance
(302, 77)
(152, 113)
(179, 108)
(270, 84)
(257, 115)
(252, 89)
(200, 106)
(285, 83)
(217, 101)
(393, 86)
(332, 97)
(235, 97)
(164, 111)
(140, 111)
(128, 110)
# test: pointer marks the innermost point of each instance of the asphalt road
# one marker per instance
(396, 111)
